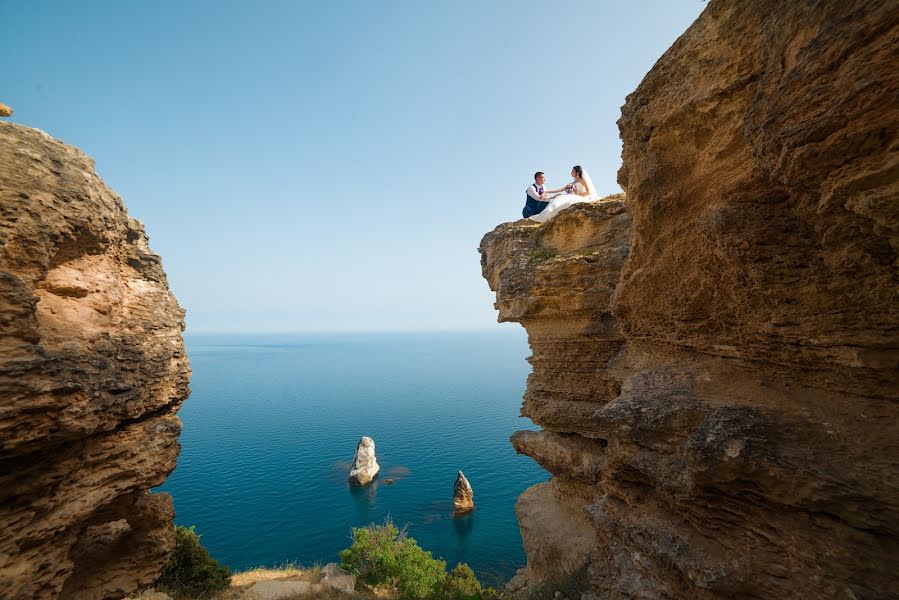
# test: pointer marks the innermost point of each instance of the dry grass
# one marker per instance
(327, 594)
(242, 580)
(288, 572)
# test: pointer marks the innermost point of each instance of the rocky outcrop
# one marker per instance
(716, 357)
(332, 576)
(463, 495)
(5, 111)
(92, 371)
(365, 465)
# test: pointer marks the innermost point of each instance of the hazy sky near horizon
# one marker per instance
(332, 165)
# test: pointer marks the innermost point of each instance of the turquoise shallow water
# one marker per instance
(273, 420)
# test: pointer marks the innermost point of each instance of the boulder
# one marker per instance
(365, 467)
(463, 495)
(334, 577)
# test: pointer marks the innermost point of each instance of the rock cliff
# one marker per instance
(716, 356)
(92, 371)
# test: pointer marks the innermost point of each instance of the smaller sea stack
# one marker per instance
(365, 467)
(463, 495)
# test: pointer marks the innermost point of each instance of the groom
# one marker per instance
(534, 201)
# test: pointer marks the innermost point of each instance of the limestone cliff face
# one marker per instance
(716, 357)
(92, 371)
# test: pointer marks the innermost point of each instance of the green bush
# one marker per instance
(384, 554)
(539, 255)
(461, 584)
(191, 570)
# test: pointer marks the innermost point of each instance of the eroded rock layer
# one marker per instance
(716, 358)
(92, 371)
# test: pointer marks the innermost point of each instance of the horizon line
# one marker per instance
(349, 331)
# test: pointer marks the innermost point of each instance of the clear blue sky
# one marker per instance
(331, 165)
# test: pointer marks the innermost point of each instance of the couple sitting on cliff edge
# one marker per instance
(541, 204)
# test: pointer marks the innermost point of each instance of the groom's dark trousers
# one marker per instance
(532, 207)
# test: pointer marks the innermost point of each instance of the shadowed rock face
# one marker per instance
(92, 371)
(715, 358)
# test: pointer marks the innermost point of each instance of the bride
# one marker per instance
(579, 190)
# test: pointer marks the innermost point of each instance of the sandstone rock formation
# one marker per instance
(92, 371)
(365, 466)
(5, 111)
(463, 495)
(716, 357)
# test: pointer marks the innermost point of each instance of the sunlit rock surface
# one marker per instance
(463, 495)
(92, 371)
(365, 464)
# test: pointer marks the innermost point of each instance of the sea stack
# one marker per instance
(463, 495)
(365, 467)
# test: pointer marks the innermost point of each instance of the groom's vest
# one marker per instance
(531, 206)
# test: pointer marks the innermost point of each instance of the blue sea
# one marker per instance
(273, 421)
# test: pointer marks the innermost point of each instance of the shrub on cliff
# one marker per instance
(461, 584)
(191, 570)
(384, 554)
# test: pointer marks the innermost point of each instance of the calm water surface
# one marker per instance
(273, 420)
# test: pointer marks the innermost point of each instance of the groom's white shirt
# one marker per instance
(532, 192)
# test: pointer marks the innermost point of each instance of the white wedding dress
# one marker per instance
(563, 201)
